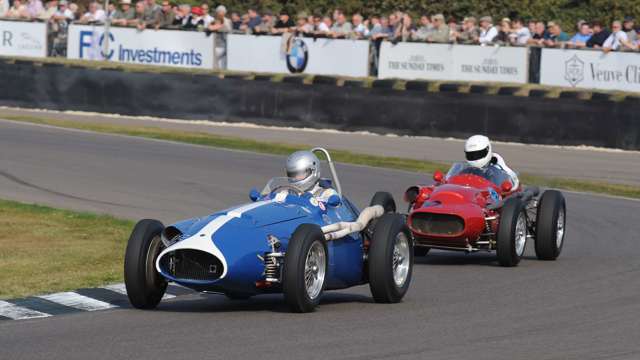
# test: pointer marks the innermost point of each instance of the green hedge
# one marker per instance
(568, 12)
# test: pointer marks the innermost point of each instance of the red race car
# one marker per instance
(473, 209)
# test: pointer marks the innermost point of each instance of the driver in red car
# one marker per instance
(477, 150)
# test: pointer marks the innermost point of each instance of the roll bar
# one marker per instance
(334, 174)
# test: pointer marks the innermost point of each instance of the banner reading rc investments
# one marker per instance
(152, 47)
(590, 69)
(18, 38)
(453, 62)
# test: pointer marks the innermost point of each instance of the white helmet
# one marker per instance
(303, 169)
(477, 150)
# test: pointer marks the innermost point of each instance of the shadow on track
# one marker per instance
(207, 303)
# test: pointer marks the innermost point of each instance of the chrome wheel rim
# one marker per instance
(401, 259)
(521, 234)
(560, 229)
(314, 270)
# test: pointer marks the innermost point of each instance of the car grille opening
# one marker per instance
(189, 264)
(437, 224)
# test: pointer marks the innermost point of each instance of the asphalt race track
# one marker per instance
(586, 305)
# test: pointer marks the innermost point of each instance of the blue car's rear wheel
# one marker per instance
(305, 267)
(145, 287)
(390, 259)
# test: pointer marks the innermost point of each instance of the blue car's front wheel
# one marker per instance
(145, 287)
(305, 267)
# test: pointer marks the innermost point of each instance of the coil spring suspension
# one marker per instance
(271, 268)
(272, 260)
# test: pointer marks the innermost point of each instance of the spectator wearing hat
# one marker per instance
(488, 32)
(599, 35)
(302, 24)
(628, 26)
(618, 40)
(123, 15)
(557, 37)
(580, 39)
(470, 32)
(440, 33)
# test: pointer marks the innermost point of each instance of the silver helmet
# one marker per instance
(303, 169)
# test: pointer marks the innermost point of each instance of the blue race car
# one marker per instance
(284, 241)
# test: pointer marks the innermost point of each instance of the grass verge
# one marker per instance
(48, 250)
(338, 155)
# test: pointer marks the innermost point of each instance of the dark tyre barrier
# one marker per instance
(538, 93)
(508, 90)
(417, 85)
(600, 96)
(353, 83)
(542, 120)
(293, 80)
(260, 77)
(572, 95)
(479, 89)
(383, 84)
(325, 80)
(448, 87)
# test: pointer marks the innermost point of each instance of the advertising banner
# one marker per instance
(453, 62)
(302, 55)
(19, 38)
(188, 49)
(590, 69)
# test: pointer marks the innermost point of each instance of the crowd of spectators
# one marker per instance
(396, 26)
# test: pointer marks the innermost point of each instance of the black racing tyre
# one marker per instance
(385, 200)
(512, 232)
(420, 250)
(550, 225)
(305, 268)
(390, 259)
(145, 286)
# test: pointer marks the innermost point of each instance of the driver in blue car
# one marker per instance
(477, 150)
(303, 171)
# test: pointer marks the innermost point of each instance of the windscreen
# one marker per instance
(491, 173)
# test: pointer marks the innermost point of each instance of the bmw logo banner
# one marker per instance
(297, 56)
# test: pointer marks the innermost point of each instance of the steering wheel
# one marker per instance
(291, 188)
